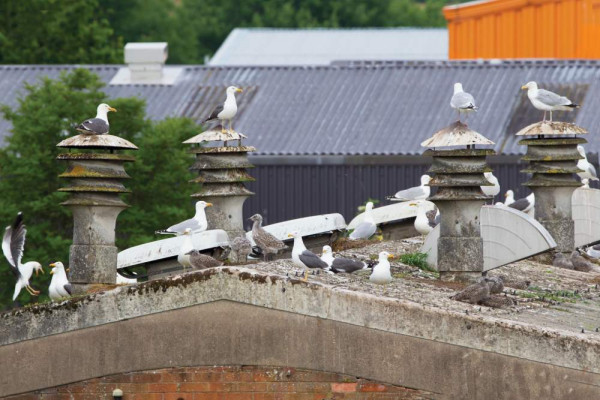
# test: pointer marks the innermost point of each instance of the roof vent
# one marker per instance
(146, 61)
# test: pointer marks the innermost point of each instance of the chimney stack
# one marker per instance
(146, 61)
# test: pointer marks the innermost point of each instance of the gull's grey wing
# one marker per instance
(215, 113)
(520, 204)
(413, 193)
(13, 243)
(364, 230)
(182, 226)
(432, 218)
(552, 99)
(463, 100)
(346, 265)
(68, 288)
(95, 126)
(311, 260)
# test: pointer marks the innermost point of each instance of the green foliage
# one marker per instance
(418, 260)
(45, 116)
(56, 32)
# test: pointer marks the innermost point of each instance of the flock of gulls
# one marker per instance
(13, 242)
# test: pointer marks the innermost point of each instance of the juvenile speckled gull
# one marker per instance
(303, 258)
(475, 293)
(227, 110)
(462, 101)
(59, 285)
(546, 100)
(367, 227)
(98, 125)
(414, 193)
(196, 224)
(589, 171)
(13, 245)
(202, 261)
(268, 243)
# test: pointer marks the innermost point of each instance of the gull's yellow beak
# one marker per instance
(209, 204)
(391, 256)
(290, 235)
(112, 109)
(52, 265)
(68, 269)
(413, 204)
(524, 87)
(238, 90)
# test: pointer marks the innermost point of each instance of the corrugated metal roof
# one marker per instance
(355, 109)
(273, 46)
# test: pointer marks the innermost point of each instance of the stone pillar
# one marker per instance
(552, 155)
(222, 174)
(458, 175)
(94, 182)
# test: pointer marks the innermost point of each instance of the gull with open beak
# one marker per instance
(227, 110)
(196, 224)
(13, 245)
(59, 285)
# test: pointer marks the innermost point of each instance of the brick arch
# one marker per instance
(228, 383)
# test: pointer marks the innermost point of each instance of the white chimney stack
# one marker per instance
(146, 61)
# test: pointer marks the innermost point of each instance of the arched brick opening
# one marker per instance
(228, 383)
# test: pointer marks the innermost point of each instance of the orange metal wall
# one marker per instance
(524, 29)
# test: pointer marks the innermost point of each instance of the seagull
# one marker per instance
(242, 247)
(367, 227)
(187, 246)
(226, 111)
(580, 263)
(340, 264)
(98, 125)
(589, 171)
(196, 224)
(59, 285)
(475, 293)
(304, 258)
(202, 261)
(586, 183)
(381, 274)
(526, 204)
(13, 245)
(561, 261)
(268, 243)
(594, 251)
(414, 193)
(509, 197)
(491, 190)
(462, 101)
(545, 100)
(423, 224)
(496, 284)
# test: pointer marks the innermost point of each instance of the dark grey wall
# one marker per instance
(286, 191)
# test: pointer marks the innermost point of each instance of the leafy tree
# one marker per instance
(56, 31)
(45, 116)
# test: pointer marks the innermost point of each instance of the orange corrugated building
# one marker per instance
(524, 29)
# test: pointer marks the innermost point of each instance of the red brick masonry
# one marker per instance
(228, 383)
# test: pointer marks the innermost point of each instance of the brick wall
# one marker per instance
(228, 383)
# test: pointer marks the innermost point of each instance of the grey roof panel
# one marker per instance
(352, 108)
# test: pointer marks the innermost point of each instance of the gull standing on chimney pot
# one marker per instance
(98, 125)
(462, 101)
(226, 111)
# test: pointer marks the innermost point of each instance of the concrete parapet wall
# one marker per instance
(232, 316)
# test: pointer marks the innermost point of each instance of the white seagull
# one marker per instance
(367, 227)
(13, 245)
(586, 183)
(340, 264)
(526, 204)
(593, 251)
(303, 258)
(422, 223)
(414, 193)
(226, 111)
(196, 224)
(546, 100)
(98, 125)
(59, 285)
(382, 274)
(509, 197)
(187, 246)
(462, 101)
(589, 171)
(491, 190)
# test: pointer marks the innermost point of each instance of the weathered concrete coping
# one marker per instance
(487, 333)
(554, 128)
(457, 134)
(215, 135)
(97, 142)
(222, 149)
